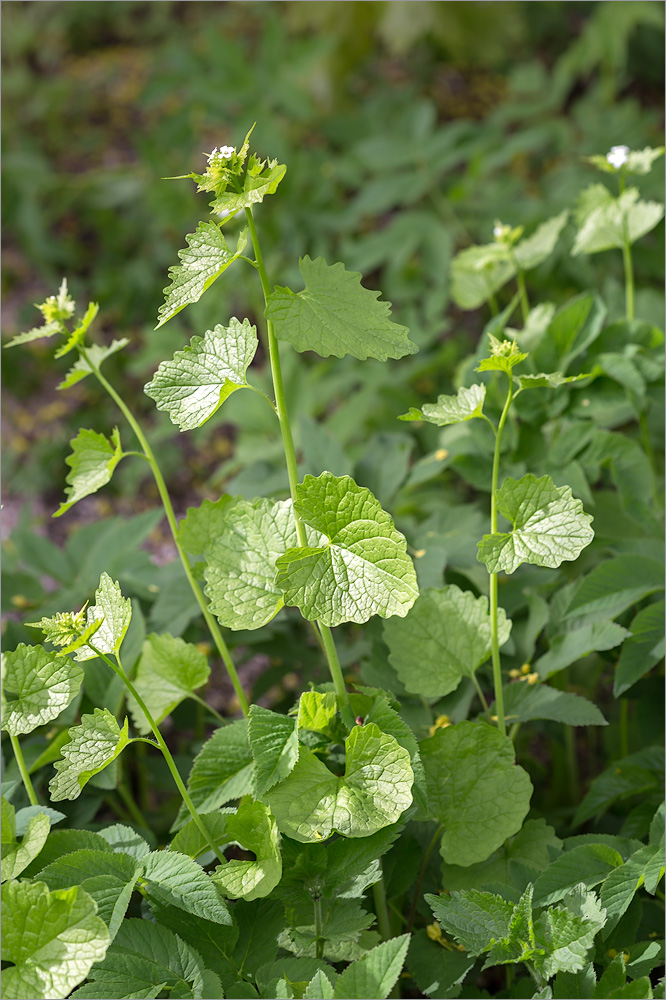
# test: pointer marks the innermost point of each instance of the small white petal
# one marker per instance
(618, 156)
(498, 230)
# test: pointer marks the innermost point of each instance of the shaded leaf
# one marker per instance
(169, 670)
(255, 829)
(274, 744)
(524, 702)
(375, 974)
(588, 864)
(17, 855)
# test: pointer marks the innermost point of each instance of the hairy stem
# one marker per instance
(292, 470)
(171, 518)
(497, 667)
(25, 775)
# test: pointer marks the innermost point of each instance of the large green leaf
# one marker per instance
(611, 222)
(169, 670)
(253, 828)
(566, 933)
(274, 743)
(534, 249)
(114, 612)
(240, 561)
(174, 879)
(17, 855)
(451, 409)
(643, 649)
(93, 745)
(201, 525)
(524, 702)
(549, 526)
(363, 568)
(589, 864)
(146, 959)
(36, 686)
(222, 771)
(476, 919)
(623, 883)
(577, 643)
(615, 585)
(312, 803)
(52, 940)
(193, 385)
(206, 257)
(92, 462)
(475, 789)
(373, 976)
(533, 848)
(450, 628)
(335, 314)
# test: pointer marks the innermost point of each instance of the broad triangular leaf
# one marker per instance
(566, 933)
(335, 314)
(222, 771)
(193, 385)
(206, 257)
(524, 702)
(469, 767)
(319, 988)
(95, 353)
(168, 671)
(52, 939)
(201, 525)
(451, 409)
(36, 686)
(549, 526)
(373, 976)
(589, 864)
(93, 745)
(114, 612)
(274, 742)
(17, 855)
(255, 829)
(533, 250)
(175, 880)
(451, 630)
(361, 571)
(312, 803)
(612, 221)
(92, 462)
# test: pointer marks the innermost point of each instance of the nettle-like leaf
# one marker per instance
(566, 933)
(253, 828)
(475, 789)
(222, 771)
(36, 686)
(466, 405)
(312, 803)
(451, 630)
(169, 670)
(335, 314)
(644, 867)
(78, 333)
(174, 879)
(96, 354)
(17, 855)
(549, 526)
(93, 745)
(52, 940)
(193, 385)
(36, 333)
(240, 561)
(606, 222)
(317, 711)
(113, 612)
(274, 743)
(476, 919)
(362, 570)
(206, 257)
(588, 864)
(92, 463)
(375, 974)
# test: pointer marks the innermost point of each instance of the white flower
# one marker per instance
(618, 156)
(223, 153)
(226, 151)
(498, 230)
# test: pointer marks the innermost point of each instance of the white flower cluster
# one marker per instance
(618, 156)
(223, 153)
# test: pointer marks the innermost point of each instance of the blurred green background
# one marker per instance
(407, 128)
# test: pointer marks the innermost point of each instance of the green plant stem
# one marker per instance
(482, 697)
(292, 470)
(624, 727)
(131, 806)
(25, 777)
(419, 881)
(497, 667)
(209, 708)
(171, 518)
(381, 909)
(171, 764)
(628, 279)
(318, 927)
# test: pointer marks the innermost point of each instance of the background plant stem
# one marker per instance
(25, 776)
(381, 909)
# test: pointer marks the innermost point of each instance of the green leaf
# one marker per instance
(169, 670)
(191, 841)
(79, 332)
(534, 249)
(96, 354)
(575, 326)
(201, 525)
(361, 571)
(206, 257)
(255, 829)
(624, 882)
(193, 386)
(36, 333)
(613, 221)
(575, 985)
(451, 630)
(92, 462)
(36, 686)
(274, 743)
(566, 933)
(312, 803)
(476, 919)
(114, 612)
(643, 649)
(475, 789)
(52, 938)
(175, 880)
(316, 711)
(145, 959)
(533, 848)
(319, 988)
(525, 702)
(553, 380)
(549, 526)
(636, 774)
(240, 561)
(588, 864)
(638, 161)
(222, 771)
(615, 585)
(504, 356)
(17, 855)
(478, 272)
(93, 745)
(578, 643)
(335, 314)
(436, 970)
(373, 976)
(451, 409)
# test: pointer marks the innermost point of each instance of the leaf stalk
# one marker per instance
(23, 770)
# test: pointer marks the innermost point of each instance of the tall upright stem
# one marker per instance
(628, 279)
(292, 471)
(23, 770)
(497, 668)
(171, 518)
